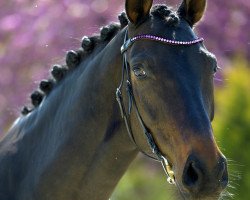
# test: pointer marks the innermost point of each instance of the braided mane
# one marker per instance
(88, 44)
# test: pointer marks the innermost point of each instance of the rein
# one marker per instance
(126, 70)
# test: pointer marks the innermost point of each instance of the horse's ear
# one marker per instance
(192, 10)
(137, 10)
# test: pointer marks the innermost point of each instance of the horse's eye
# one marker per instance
(139, 72)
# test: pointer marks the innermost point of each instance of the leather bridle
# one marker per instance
(131, 100)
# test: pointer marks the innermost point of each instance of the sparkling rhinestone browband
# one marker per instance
(130, 41)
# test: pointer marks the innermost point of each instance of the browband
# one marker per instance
(130, 41)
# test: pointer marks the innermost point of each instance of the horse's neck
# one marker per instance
(75, 144)
(114, 150)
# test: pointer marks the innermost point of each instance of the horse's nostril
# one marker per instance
(223, 175)
(192, 177)
(224, 181)
(198, 179)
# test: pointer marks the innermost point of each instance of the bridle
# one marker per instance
(131, 99)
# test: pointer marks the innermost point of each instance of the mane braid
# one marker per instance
(88, 44)
(73, 59)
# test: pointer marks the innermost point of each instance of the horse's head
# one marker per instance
(173, 89)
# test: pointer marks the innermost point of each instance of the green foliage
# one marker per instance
(144, 180)
(232, 125)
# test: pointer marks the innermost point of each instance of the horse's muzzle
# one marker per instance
(199, 181)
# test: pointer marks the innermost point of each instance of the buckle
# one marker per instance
(120, 101)
(126, 45)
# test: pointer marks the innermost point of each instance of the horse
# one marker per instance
(144, 85)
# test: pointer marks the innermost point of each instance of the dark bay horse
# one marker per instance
(75, 145)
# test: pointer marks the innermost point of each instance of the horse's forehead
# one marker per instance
(166, 57)
(155, 26)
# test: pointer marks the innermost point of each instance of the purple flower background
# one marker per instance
(36, 34)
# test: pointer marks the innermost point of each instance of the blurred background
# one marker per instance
(36, 34)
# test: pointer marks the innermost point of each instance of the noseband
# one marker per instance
(131, 99)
